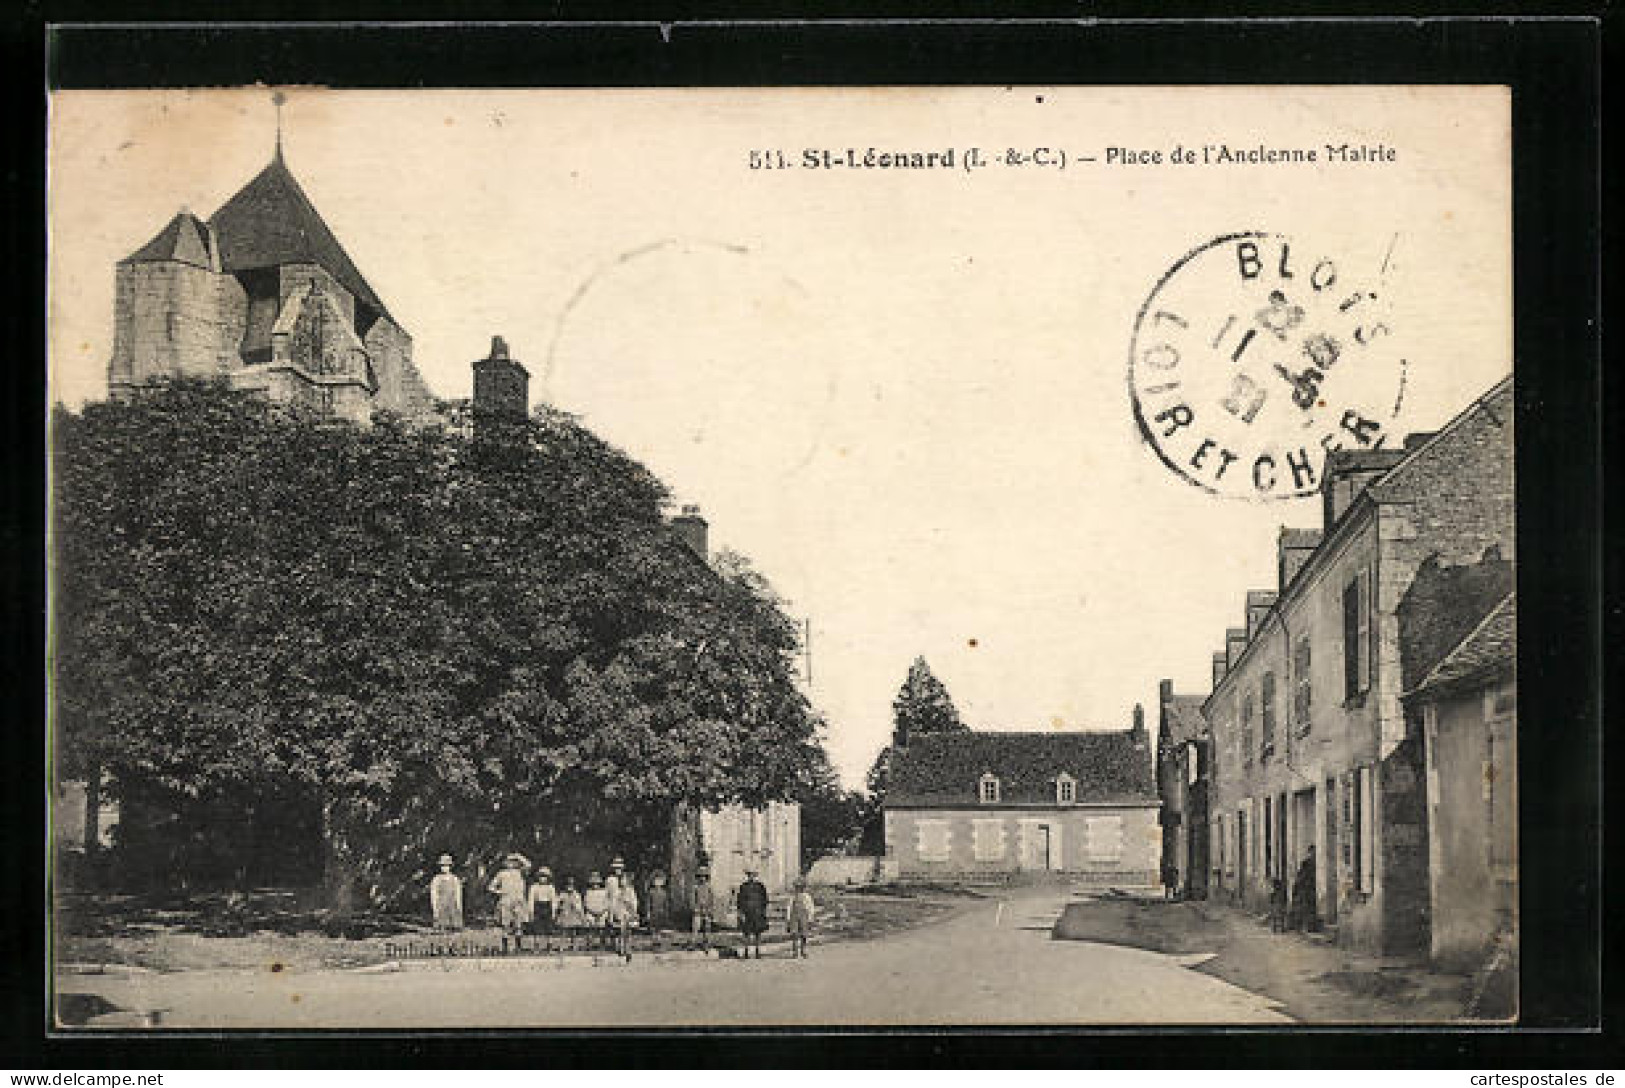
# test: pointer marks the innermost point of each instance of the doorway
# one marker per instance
(1327, 876)
(1241, 854)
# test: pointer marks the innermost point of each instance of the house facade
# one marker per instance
(988, 807)
(1467, 707)
(1182, 786)
(1311, 743)
(737, 838)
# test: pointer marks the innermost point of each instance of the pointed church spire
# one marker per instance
(277, 99)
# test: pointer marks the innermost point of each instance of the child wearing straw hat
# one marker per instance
(509, 888)
(596, 902)
(569, 913)
(543, 906)
(446, 897)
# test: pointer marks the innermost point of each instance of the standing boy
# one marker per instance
(751, 899)
(800, 919)
(702, 909)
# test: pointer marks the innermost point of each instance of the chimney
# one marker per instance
(1418, 438)
(1165, 692)
(1292, 549)
(1259, 602)
(1347, 474)
(1221, 666)
(501, 384)
(1138, 732)
(693, 530)
(1235, 642)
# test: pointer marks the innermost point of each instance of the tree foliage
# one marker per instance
(922, 706)
(831, 815)
(444, 642)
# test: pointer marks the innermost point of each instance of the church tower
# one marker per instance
(262, 293)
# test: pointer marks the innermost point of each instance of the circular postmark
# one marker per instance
(1254, 358)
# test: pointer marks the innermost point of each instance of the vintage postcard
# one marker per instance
(688, 558)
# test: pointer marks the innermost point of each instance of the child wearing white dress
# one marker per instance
(446, 897)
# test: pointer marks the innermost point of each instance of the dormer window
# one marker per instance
(1066, 790)
(988, 790)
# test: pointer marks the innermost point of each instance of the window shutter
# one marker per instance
(1363, 635)
(988, 839)
(1368, 866)
(1351, 638)
(1103, 838)
(933, 839)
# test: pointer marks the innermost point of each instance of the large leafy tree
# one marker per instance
(831, 815)
(922, 706)
(442, 642)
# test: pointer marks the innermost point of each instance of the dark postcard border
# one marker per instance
(1553, 68)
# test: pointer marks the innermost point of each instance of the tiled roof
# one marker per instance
(1496, 404)
(1491, 647)
(946, 768)
(272, 222)
(184, 238)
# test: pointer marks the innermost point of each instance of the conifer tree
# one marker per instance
(922, 706)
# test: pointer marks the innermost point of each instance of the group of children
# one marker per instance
(607, 911)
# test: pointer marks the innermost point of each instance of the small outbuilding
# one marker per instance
(1468, 709)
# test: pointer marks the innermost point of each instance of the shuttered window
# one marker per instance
(987, 839)
(933, 839)
(1357, 636)
(1103, 838)
(1266, 711)
(1302, 686)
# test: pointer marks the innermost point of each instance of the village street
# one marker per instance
(992, 963)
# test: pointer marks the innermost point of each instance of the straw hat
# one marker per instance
(617, 864)
(545, 871)
(446, 859)
(515, 858)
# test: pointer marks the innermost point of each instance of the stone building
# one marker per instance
(1466, 708)
(1182, 784)
(262, 294)
(1311, 744)
(981, 807)
(736, 838)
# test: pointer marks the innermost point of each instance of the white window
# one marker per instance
(987, 839)
(932, 839)
(1066, 790)
(1103, 838)
(988, 791)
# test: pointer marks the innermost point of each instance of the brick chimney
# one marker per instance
(1347, 474)
(1259, 602)
(501, 384)
(693, 530)
(1235, 642)
(1292, 550)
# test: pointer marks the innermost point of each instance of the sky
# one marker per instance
(902, 394)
